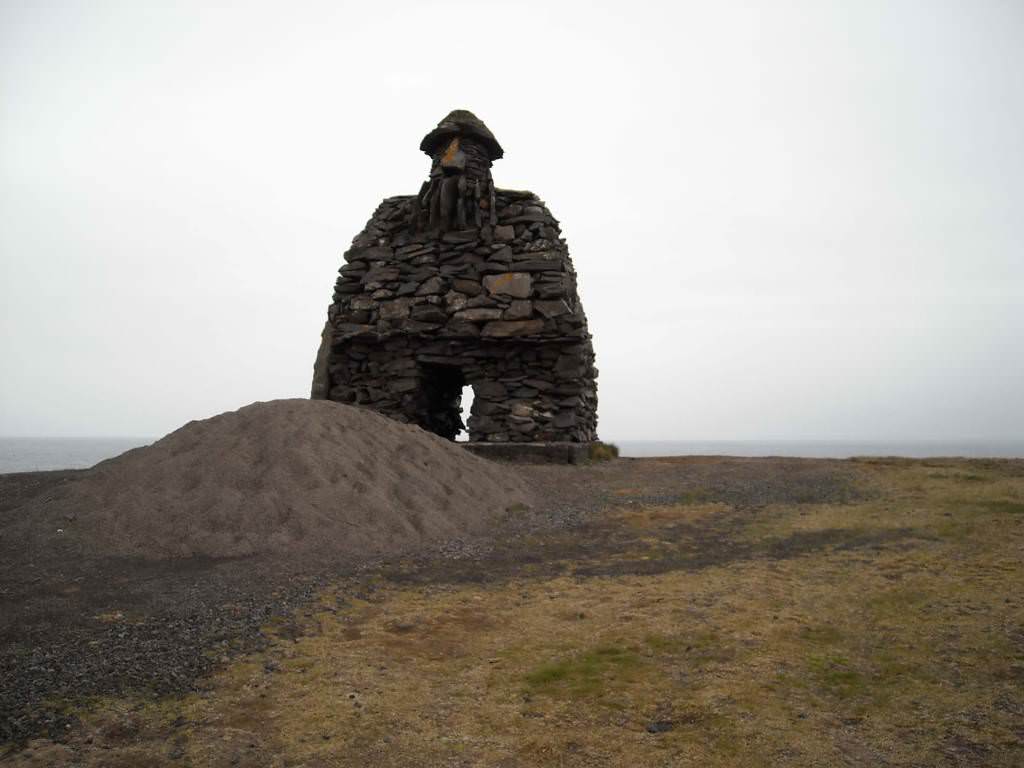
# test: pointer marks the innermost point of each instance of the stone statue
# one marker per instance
(462, 285)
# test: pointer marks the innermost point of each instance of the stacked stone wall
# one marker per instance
(417, 315)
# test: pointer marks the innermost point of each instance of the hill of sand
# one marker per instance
(283, 477)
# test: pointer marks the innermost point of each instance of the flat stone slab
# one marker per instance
(532, 453)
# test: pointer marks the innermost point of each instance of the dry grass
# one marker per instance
(888, 632)
(603, 451)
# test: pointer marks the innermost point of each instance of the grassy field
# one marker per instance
(884, 631)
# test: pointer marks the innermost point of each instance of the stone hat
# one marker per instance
(462, 122)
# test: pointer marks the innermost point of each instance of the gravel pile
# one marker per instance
(284, 477)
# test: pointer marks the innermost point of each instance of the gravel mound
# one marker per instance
(282, 477)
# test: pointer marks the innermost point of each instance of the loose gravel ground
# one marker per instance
(71, 629)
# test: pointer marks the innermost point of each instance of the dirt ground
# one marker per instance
(655, 612)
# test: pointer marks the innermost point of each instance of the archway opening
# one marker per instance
(466, 405)
(440, 409)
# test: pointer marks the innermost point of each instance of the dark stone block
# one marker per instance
(531, 453)
(553, 308)
(564, 419)
(402, 385)
(467, 236)
(479, 314)
(546, 290)
(416, 326)
(540, 384)
(515, 284)
(432, 285)
(536, 265)
(507, 328)
(381, 275)
(518, 309)
(468, 287)
(490, 389)
(480, 301)
(428, 313)
(373, 253)
(352, 330)
(407, 289)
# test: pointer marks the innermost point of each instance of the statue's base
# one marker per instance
(532, 453)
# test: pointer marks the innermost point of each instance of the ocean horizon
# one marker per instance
(825, 449)
(35, 454)
(38, 454)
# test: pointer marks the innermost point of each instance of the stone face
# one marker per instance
(462, 285)
(515, 284)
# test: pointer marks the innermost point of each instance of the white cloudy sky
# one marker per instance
(790, 220)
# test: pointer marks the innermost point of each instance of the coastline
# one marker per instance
(31, 454)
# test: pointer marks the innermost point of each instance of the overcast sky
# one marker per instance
(789, 220)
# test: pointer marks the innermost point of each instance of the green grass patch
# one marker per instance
(1003, 507)
(968, 518)
(835, 674)
(899, 602)
(962, 477)
(701, 644)
(822, 635)
(589, 673)
(603, 451)
(693, 497)
(664, 643)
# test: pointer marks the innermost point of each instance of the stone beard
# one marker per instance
(462, 285)
(460, 193)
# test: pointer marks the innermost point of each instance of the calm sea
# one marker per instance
(28, 454)
(824, 449)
